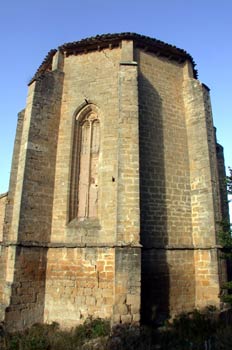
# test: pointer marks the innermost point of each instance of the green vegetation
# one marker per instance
(205, 330)
(51, 337)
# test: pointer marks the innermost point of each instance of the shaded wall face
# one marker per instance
(166, 208)
(2, 256)
(222, 183)
(30, 203)
(3, 296)
(226, 267)
(164, 184)
(168, 283)
(3, 201)
(27, 289)
(12, 196)
(39, 138)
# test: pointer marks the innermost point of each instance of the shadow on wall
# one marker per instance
(27, 286)
(155, 274)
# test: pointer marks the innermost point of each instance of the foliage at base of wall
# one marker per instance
(196, 330)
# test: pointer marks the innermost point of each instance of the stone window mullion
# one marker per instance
(85, 165)
(89, 167)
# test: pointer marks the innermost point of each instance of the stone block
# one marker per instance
(115, 188)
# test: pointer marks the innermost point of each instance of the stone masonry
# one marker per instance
(116, 188)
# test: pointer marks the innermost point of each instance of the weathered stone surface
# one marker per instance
(116, 188)
(3, 201)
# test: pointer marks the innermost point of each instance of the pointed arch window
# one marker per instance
(85, 165)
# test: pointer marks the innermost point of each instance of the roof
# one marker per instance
(2, 195)
(113, 40)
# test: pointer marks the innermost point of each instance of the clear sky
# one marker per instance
(30, 28)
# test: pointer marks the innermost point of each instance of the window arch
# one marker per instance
(85, 164)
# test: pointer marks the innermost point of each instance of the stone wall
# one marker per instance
(204, 184)
(29, 211)
(7, 255)
(38, 157)
(151, 248)
(166, 220)
(79, 284)
(84, 78)
(225, 266)
(27, 289)
(168, 283)
(4, 296)
(127, 285)
(222, 182)
(12, 195)
(87, 85)
(3, 201)
(164, 164)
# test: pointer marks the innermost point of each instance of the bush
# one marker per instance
(223, 338)
(189, 331)
(129, 336)
(198, 331)
(44, 337)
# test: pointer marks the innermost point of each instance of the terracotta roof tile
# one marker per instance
(101, 41)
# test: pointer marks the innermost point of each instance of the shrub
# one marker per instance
(223, 338)
(189, 331)
(44, 337)
(129, 336)
(194, 330)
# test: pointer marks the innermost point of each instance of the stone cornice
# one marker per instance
(34, 244)
(100, 42)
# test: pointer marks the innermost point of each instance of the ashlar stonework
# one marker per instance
(116, 188)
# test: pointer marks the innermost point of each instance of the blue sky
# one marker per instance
(29, 29)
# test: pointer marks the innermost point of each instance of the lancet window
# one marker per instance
(84, 182)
